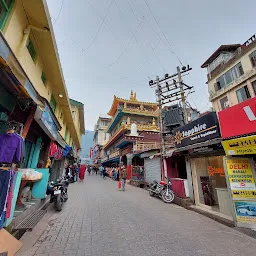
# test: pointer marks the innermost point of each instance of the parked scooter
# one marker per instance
(59, 192)
(162, 190)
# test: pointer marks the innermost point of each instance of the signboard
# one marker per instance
(240, 146)
(240, 176)
(239, 119)
(200, 130)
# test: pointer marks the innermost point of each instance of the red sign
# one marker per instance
(239, 119)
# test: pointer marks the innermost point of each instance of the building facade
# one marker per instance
(133, 129)
(34, 102)
(231, 74)
(232, 87)
(101, 136)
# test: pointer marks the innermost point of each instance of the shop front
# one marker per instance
(238, 129)
(200, 142)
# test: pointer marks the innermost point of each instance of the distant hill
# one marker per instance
(87, 143)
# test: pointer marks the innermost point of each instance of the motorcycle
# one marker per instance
(162, 190)
(59, 192)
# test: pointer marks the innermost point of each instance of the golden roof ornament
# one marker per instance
(153, 122)
(131, 95)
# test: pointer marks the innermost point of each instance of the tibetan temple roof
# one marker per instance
(132, 100)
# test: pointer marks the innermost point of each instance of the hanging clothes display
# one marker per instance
(5, 177)
(53, 149)
(11, 146)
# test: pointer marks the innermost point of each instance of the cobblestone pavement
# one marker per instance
(98, 220)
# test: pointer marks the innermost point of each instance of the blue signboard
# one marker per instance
(49, 122)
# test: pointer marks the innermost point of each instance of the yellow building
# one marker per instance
(232, 74)
(26, 26)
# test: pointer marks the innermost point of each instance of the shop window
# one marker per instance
(5, 10)
(43, 78)
(53, 103)
(243, 94)
(31, 50)
(254, 86)
(253, 58)
(224, 103)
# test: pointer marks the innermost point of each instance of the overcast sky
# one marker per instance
(108, 47)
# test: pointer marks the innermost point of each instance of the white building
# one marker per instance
(100, 131)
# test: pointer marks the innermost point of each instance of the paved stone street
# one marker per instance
(98, 220)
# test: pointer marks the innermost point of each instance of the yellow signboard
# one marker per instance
(240, 146)
(240, 174)
(244, 193)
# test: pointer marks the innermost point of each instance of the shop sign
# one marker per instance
(239, 119)
(240, 176)
(245, 211)
(200, 130)
(212, 170)
(49, 122)
(240, 146)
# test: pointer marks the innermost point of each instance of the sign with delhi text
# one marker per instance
(240, 177)
(239, 119)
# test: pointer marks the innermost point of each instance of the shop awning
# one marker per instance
(116, 159)
(198, 145)
(14, 72)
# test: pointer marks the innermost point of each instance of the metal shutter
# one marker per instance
(152, 169)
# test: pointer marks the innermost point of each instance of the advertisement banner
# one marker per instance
(239, 119)
(245, 211)
(240, 146)
(240, 174)
(240, 177)
(203, 129)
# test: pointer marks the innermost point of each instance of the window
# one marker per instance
(254, 86)
(43, 78)
(229, 76)
(253, 58)
(74, 114)
(224, 103)
(53, 103)
(243, 94)
(61, 115)
(5, 10)
(69, 140)
(31, 49)
(66, 134)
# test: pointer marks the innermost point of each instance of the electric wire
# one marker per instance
(100, 27)
(61, 7)
(153, 50)
(127, 45)
(167, 41)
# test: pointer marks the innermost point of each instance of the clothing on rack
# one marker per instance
(53, 149)
(11, 148)
(5, 177)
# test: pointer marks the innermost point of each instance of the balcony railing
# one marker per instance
(114, 154)
(144, 111)
(215, 94)
(145, 146)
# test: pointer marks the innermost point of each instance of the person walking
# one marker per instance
(123, 175)
(104, 173)
(101, 170)
(82, 172)
(89, 169)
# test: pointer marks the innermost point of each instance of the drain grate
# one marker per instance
(30, 222)
(247, 231)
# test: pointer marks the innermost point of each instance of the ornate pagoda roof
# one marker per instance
(132, 100)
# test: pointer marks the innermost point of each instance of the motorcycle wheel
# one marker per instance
(167, 198)
(151, 193)
(59, 203)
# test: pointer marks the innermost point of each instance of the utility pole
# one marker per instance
(169, 91)
(162, 148)
(182, 94)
